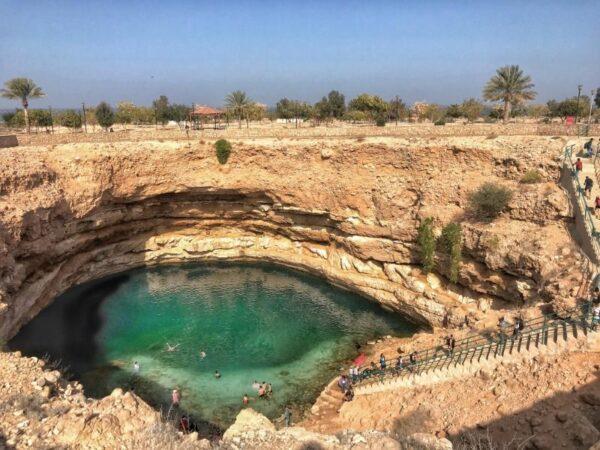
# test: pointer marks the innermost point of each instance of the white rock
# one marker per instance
(434, 281)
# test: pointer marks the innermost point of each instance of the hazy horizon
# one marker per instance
(197, 52)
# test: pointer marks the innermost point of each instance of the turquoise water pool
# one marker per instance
(253, 322)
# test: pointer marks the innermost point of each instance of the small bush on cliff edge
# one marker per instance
(452, 243)
(426, 240)
(223, 149)
(532, 177)
(490, 200)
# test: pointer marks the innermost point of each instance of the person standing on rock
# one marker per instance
(382, 362)
(287, 414)
(175, 397)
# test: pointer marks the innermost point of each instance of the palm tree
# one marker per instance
(22, 89)
(238, 102)
(511, 86)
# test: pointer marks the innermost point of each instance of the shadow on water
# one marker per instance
(82, 320)
(76, 352)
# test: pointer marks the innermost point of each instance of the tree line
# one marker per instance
(509, 91)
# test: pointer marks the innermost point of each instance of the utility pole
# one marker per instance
(84, 119)
(590, 113)
(578, 97)
(51, 119)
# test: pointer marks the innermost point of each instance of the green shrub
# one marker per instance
(223, 149)
(531, 177)
(70, 119)
(105, 115)
(426, 240)
(440, 122)
(490, 200)
(380, 121)
(452, 244)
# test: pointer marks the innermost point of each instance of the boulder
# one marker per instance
(248, 420)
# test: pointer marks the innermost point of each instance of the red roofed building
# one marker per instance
(203, 110)
(200, 113)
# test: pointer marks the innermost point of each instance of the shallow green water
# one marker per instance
(254, 322)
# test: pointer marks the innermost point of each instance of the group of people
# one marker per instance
(450, 343)
(264, 391)
(588, 182)
(345, 384)
(504, 326)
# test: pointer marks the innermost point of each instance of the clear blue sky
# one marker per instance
(197, 51)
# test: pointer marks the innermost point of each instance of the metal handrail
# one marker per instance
(587, 215)
(479, 345)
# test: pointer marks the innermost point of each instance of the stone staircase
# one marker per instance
(324, 412)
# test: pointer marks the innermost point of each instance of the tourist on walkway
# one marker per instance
(578, 166)
(413, 358)
(588, 184)
(343, 383)
(349, 394)
(596, 205)
(519, 326)
(287, 415)
(589, 147)
(452, 343)
(595, 317)
(382, 362)
(399, 363)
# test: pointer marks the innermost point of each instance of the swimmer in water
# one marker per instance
(172, 348)
(202, 355)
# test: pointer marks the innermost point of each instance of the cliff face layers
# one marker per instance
(347, 210)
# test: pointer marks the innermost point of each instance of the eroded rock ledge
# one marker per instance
(76, 212)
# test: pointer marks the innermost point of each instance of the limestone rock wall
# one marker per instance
(347, 211)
